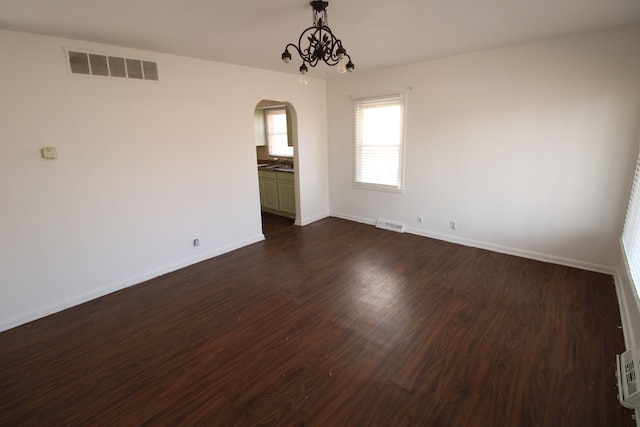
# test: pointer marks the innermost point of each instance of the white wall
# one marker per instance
(629, 304)
(530, 148)
(144, 168)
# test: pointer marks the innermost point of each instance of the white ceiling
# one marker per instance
(376, 33)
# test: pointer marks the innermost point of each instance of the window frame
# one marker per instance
(360, 105)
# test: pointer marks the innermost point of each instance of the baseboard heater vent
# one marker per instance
(390, 225)
(627, 365)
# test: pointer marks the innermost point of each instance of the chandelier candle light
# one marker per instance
(323, 45)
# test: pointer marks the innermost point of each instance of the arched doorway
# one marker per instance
(276, 138)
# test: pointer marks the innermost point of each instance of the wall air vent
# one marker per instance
(390, 225)
(94, 64)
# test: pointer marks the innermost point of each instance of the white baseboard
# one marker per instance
(516, 252)
(74, 300)
(491, 247)
(354, 218)
(307, 221)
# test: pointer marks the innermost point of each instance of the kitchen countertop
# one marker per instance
(276, 168)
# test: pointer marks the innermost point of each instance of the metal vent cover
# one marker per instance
(390, 225)
(96, 64)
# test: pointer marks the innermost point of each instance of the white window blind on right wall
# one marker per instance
(631, 230)
(379, 140)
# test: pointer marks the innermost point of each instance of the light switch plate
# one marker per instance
(49, 153)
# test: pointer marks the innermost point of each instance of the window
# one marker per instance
(379, 135)
(631, 231)
(277, 135)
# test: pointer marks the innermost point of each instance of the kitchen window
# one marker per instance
(277, 133)
(379, 143)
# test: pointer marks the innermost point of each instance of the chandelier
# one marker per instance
(322, 44)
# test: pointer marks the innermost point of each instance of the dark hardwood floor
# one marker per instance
(331, 324)
(273, 223)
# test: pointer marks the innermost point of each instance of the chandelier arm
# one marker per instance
(328, 44)
(331, 54)
(308, 54)
(293, 46)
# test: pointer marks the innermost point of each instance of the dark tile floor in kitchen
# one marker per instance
(273, 223)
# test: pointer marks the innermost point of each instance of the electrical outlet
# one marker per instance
(420, 219)
(453, 225)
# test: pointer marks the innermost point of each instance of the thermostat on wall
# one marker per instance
(49, 153)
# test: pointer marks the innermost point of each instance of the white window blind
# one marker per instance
(379, 140)
(277, 135)
(631, 230)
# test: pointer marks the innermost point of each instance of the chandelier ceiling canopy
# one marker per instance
(318, 43)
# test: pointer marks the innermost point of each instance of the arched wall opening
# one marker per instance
(277, 165)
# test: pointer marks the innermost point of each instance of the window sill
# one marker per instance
(378, 187)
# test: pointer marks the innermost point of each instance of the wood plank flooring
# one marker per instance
(331, 324)
(272, 223)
